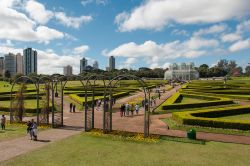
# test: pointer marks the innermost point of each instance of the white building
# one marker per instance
(95, 65)
(111, 63)
(19, 63)
(67, 70)
(181, 71)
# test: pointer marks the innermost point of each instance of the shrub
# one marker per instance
(200, 118)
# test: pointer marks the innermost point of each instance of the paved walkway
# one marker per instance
(18, 146)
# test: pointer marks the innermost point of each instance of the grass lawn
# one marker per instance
(191, 100)
(174, 125)
(238, 117)
(88, 150)
(12, 131)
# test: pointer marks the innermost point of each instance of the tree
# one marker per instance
(247, 70)
(203, 70)
(7, 74)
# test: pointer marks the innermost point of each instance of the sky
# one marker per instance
(139, 33)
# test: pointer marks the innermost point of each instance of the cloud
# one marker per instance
(81, 49)
(38, 12)
(231, 37)
(240, 45)
(179, 32)
(74, 22)
(156, 14)
(17, 26)
(98, 2)
(50, 60)
(154, 54)
(215, 29)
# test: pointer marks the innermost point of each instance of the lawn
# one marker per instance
(191, 100)
(175, 126)
(238, 117)
(12, 131)
(89, 150)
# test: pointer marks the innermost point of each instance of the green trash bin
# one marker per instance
(191, 134)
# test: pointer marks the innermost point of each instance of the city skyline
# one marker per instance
(63, 32)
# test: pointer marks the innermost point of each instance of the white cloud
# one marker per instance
(50, 60)
(156, 14)
(215, 29)
(38, 12)
(231, 37)
(154, 54)
(81, 49)
(243, 27)
(74, 22)
(240, 45)
(179, 32)
(17, 26)
(98, 2)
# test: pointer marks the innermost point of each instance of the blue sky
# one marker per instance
(139, 33)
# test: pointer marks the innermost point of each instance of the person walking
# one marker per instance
(34, 130)
(132, 109)
(29, 129)
(154, 100)
(3, 122)
(70, 107)
(137, 109)
(121, 111)
(74, 108)
(127, 109)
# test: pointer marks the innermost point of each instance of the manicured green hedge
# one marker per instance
(27, 110)
(196, 117)
(171, 103)
(81, 100)
(197, 105)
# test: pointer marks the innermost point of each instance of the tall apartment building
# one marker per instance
(2, 66)
(83, 64)
(10, 63)
(67, 70)
(95, 65)
(29, 61)
(19, 63)
(111, 63)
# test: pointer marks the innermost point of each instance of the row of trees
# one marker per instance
(223, 68)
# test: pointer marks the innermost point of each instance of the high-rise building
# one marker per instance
(83, 64)
(67, 70)
(2, 66)
(29, 61)
(19, 63)
(111, 63)
(10, 64)
(95, 65)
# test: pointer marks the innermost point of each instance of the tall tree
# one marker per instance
(247, 70)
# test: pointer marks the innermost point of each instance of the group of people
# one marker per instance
(32, 129)
(127, 108)
(72, 107)
(3, 122)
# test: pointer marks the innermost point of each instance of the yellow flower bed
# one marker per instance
(127, 136)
